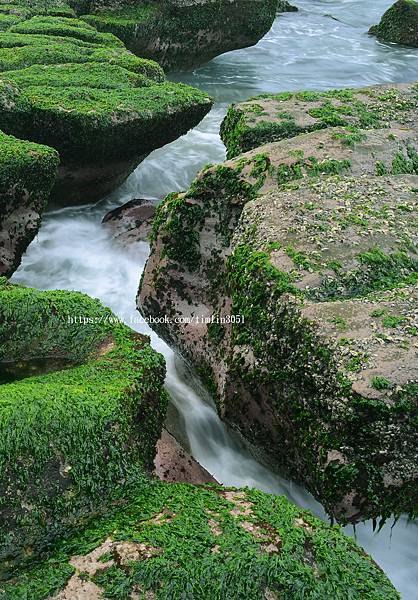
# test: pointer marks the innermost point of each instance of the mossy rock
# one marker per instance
(81, 409)
(182, 34)
(273, 117)
(65, 27)
(83, 93)
(399, 24)
(285, 6)
(256, 249)
(27, 174)
(208, 542)
(18, 51)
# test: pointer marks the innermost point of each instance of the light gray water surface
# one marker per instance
(323, 46)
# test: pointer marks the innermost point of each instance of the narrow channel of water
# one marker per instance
(323, 46)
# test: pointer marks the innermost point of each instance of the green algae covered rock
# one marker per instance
(81, 409)
(83, 93)
(399, 24)
(289, 275)
(184, 33)
(273, 117)
(209, 542)
(27, 174)
(285, 6)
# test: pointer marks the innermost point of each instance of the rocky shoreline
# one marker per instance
(288, 273)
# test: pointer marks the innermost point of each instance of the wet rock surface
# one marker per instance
(284, 6)
(174, 464)
(131, 222)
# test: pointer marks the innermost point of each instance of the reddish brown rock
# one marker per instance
(172, 463)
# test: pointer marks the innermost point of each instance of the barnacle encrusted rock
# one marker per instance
(399, 24)
(182, 34)
(27, 174)
(80, 91)
(210, 541)
(81, 410)
(273, 117)
(288, 274)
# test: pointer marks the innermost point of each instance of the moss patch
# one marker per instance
(27, 173)
(399, 24)
(70, 438)
(284, 115)
(82, 92)
(177, 34)
(210, 542)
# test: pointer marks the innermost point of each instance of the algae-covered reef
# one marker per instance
(208, 542)
(300, 259)
(182, 34)
(399, 24)
(273, 117)
(66, 85)
(27, 174)
(81, 409)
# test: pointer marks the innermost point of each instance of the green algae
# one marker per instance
(212, 542)
(26, 169)
(399, 24)
(82, 122)
(83, 93)
(281, 116)
(179, 36)
(72, 437)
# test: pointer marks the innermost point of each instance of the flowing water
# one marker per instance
(323, 46)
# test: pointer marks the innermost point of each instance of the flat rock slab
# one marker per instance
(272, 117)
(67, 85)
(310, 245)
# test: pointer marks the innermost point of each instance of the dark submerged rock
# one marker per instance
(285, 6)
(399, 24)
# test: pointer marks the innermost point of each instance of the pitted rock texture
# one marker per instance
(131, 222)
(273, 117)
(289, 275)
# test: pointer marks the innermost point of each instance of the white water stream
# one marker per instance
(308, 50)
